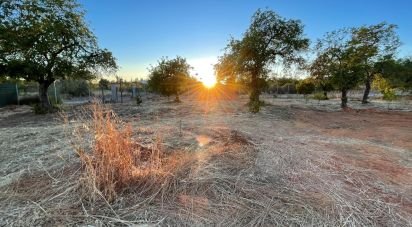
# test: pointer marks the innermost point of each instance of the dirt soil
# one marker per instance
(357, 163)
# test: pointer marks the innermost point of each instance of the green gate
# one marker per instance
(8, 94)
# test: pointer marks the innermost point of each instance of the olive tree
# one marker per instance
(225, 70)
(270, 39)
(320, 75)
(103, 84)
(46, 40)
(397, 72)
(336, 59)
(371, 44)
(170, 76)
(305, 87)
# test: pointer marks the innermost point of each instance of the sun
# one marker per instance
(204, 70)
(209, 81)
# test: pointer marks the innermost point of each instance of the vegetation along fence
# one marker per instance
(8, 94)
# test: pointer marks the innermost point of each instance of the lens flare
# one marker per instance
(209, 81)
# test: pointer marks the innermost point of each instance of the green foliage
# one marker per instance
(370, 44)
(170, 77)
(38, 109)
(389, 95)
(270, 39)
(104, 84)
(383, 86)
(320, 74)
(226, 70)
(75, 88)
(348, 56)
(305, 87)
(398, 73)
(320, 96)
(337, 61)
(254, 106)
(45, 40)
(281, 81)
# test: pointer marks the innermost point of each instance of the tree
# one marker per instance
(403, 78)
(76, 88)
(103, 84)
(45, 40)
(270, 39)
(398, 73)
(320, 75)
(170, 76)
(370, 44)
(336, 60)
(305, 87)
(226, 70)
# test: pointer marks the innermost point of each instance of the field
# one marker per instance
(294, 163)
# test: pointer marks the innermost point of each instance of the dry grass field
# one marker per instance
(207, 162)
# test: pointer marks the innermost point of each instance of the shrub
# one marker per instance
(305, 87)
(383, 86)
(112, 160)
(254, 106)
(389, 94)
(320, 96)
(76, 88)
(38, 109)
(29, 100)
(138, 100)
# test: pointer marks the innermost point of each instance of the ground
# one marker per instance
(294, 163)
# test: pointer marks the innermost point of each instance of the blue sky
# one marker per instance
(140, 32)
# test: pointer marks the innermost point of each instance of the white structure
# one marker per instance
(115, 92)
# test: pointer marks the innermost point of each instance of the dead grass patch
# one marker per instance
(235, 179)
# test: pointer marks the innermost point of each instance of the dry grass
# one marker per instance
(110, 164)
(112, 160)
(232, 180)
(174, 187)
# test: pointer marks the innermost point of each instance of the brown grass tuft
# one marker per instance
(115, 160)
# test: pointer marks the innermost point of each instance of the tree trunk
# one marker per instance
(325, 94)
(102, 95)
(344, 99)
(177, 99)
(367, 90)
(43, 96)
(254, 101)
(254, 95)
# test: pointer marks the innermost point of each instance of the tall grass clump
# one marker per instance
(111, 159)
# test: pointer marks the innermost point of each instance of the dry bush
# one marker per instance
(112, 160)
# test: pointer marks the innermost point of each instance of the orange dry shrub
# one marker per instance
(114, 162)
(110, 165)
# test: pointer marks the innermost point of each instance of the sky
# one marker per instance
(139, 32)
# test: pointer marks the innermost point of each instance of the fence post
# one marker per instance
(17, 95)
(55, 92)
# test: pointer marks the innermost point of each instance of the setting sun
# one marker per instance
(209, 81)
